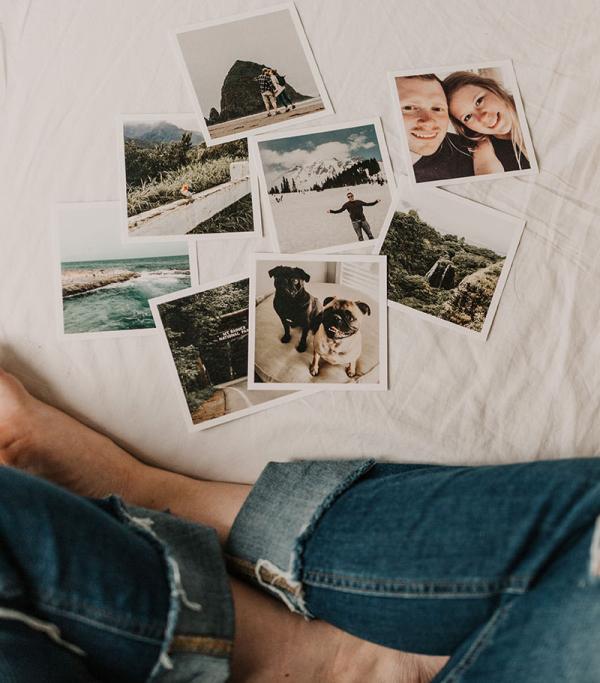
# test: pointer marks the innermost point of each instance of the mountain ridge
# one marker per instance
(324, 174)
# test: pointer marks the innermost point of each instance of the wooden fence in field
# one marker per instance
(183, 215)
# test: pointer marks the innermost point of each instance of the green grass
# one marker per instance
(237, 217)
(201, 175)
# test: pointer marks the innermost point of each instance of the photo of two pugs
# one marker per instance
(335, 323)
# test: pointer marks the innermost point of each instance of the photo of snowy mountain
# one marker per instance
(327, 188)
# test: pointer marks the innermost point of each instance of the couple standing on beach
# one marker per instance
(272, 89)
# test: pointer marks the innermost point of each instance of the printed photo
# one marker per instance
(463, 123)
(448, 258)
(104, 283)
(251, 72)
(327, 188)
(173, 185)
(205, 332)
(318, 321)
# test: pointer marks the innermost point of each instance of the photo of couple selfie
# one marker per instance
(463, 123)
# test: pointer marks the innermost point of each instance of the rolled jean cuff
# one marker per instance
(198, 635)
(267, 539)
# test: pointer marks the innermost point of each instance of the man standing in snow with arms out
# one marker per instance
(357, 216)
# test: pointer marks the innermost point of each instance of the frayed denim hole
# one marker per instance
(283, 585)
(50, 629)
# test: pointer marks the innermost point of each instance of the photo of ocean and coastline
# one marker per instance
(174, 185)
(105, 285)
(463, 123)
(448, 258)
(318, 321)
(206, 336)
(327, 188)
(251, 72)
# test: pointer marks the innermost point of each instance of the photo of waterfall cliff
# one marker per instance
(448, 258)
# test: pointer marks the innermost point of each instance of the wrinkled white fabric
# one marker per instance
(531, 391)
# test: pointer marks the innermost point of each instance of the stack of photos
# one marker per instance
(462, 123)
(205, 334)
(318, 320)
(251, 72)
(104, 284)
(173, 185)
(448, 258)
(327, 188)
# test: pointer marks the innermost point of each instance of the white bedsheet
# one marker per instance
(530, 392)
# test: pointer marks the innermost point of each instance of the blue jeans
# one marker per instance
(498, 566)
(360, 226)
(89, 592)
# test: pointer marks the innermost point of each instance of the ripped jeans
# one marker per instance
(92, 590)
(497, 566)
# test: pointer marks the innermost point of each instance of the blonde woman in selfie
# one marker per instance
(482, 111)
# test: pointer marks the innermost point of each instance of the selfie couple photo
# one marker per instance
(463, 124)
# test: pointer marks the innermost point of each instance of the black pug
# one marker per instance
(293, 304)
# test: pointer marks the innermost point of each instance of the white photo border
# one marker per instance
(254, 192)
(508, 71)
(327, 106)
(255, 142)
(166, 351)
(382, 383)
(57, 278)
(519, 227)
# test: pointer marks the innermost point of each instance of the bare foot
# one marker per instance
(272, 645)
(44, 441)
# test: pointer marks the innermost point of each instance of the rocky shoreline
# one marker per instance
(79, 280)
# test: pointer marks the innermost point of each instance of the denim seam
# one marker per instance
(55, 601)
(434, 588)
(472, 654)
(98, 624)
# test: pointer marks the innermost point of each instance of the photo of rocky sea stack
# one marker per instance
(241, 99)
(176, 185)
(447, 257)
(251, 72)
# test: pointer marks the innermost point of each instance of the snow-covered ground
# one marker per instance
(303, 224)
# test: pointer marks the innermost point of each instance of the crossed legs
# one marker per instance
(271, 643)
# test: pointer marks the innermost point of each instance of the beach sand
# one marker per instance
(219, 130)
(80, 280)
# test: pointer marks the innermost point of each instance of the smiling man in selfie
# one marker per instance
(436, 154)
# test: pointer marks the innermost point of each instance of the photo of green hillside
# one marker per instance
(168, 166)
(439, 274)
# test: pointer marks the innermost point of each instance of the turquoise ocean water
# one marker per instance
(124, 305)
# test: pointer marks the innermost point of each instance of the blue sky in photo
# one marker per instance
(358, 142)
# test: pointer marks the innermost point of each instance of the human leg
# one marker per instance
(358, 230)
(267, 102)
(549, 633)
(420, 558)
(367, 228)
(71, 571)
(269, 639)
(44, 441)
(285, 98)
(27, 654)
